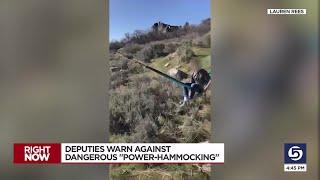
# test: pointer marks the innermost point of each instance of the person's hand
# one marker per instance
(206, 87)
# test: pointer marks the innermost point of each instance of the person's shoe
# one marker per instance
(184, 103)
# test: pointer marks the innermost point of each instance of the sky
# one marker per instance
(126, 16)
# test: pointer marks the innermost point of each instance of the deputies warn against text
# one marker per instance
(117, 149)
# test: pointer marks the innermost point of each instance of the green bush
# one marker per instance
(185, 52)
(135, 68)
(131, 49)
(158, 50)
(119, 138)
(170, 48)
(195, 134)
(146, 131)
(203, 41)
(152, 51)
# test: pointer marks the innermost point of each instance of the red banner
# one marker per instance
(31, 153)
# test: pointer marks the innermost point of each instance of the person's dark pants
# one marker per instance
(190, 92)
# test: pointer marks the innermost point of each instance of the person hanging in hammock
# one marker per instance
(199, 83)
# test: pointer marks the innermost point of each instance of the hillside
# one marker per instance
(144, 107)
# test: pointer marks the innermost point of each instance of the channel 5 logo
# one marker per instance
(295, 153)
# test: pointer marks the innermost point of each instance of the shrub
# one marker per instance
(119, 78)
(145, 132)
(203, 41)
(145, 54)
(119, 139)
(194, 134)
(185, 52)
(131, 49)
(204, 27)
(135, 68)
(115, 45)
(158, 50)
(152, 51)
(170, 48)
